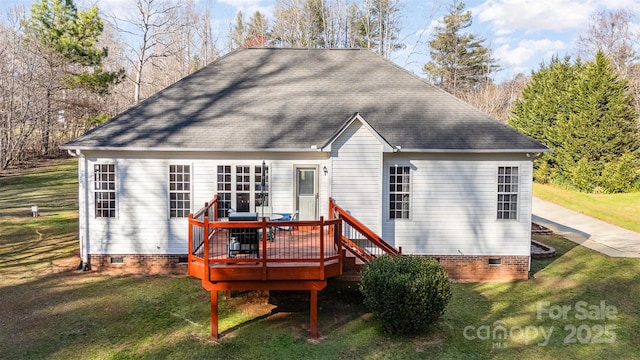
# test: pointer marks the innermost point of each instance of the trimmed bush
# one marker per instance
(406, 293)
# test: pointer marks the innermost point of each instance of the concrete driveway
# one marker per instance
(587, 231)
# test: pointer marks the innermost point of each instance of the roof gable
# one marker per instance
(276, 99)
(357, 117)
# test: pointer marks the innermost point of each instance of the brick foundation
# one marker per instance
(139, 264)
(459, 267)
(477, 268)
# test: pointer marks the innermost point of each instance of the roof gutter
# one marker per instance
(173, 149)
(476, 151)
(313, 148)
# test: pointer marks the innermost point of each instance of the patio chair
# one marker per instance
(290, 229)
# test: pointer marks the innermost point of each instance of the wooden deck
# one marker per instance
(277, 251)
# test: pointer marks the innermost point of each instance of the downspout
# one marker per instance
(531, 157)
(83, 212)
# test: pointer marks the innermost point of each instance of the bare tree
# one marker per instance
(612, 33)
(298, 23)
(20, 108)
(497, 100)
(379, 26)
(208, 51)
(147, 32)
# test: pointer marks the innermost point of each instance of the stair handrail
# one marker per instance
(336, 211)
(210, 211)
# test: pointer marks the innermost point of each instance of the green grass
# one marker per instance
(619, 209)
(51, 311)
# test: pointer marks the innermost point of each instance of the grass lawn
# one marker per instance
(619, 209)
(51, 311)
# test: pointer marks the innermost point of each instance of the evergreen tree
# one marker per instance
(545, 102)
(67, 40)
(238, 32)
(258, 31)
(585, 113)
(58, 26)
(602, 125)
(459, 61)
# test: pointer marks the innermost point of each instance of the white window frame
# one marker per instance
(224, 186)
(180, 185)
(404, 191)
(257, 184)
(508, 192)
(233, 182)
(105, 183)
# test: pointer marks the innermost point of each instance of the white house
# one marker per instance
(424, 170)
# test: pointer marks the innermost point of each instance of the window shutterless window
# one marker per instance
(261, 185)
(399, 191)
(507, 192)
(224, 190)
(244, 189)
(104, 185)
(179, 190)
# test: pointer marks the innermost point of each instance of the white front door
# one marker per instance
(307, 192)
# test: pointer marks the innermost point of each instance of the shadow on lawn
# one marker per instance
(69, 314)
(580, 282)
(538, 265)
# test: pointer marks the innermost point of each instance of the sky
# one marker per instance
(522, 33)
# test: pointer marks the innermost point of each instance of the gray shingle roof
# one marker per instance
(284, 99)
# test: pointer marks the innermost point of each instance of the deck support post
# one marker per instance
(314, 313)
(214, 314)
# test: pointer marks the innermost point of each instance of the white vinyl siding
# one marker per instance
(453, 207)
(453, 197)
(143, 226)
(356, 179)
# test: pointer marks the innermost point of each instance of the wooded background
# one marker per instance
(64, 69)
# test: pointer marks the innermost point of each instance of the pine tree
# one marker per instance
(238, 32)
(68, 42)
(459, 61)
(258, 32)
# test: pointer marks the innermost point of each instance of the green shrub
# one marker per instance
(406, 293)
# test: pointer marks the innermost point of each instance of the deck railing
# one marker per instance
(307, 244)
(217, 244)
(359, 239)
